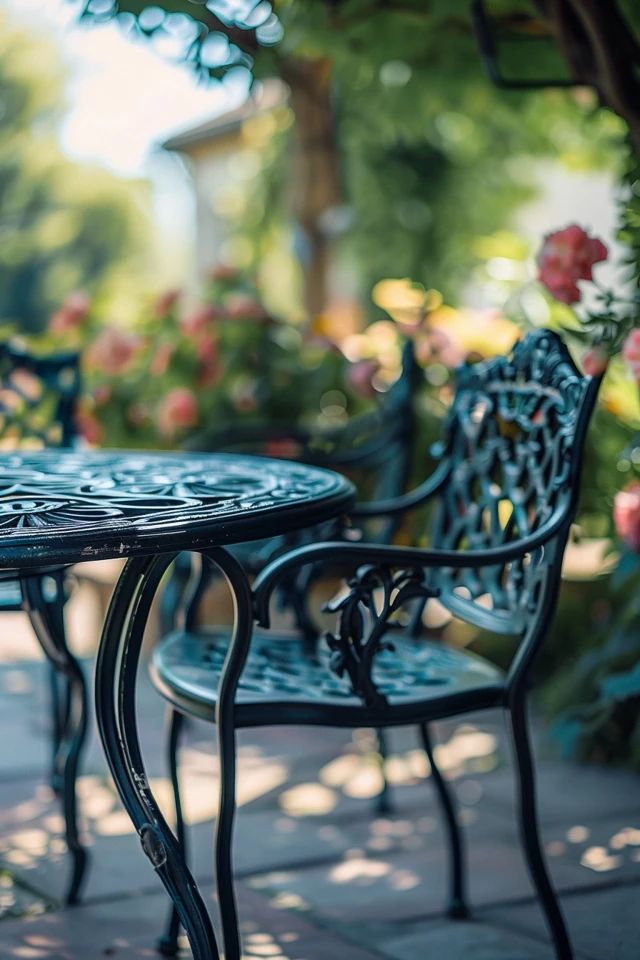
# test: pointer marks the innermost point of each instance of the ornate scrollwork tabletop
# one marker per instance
(64, 507)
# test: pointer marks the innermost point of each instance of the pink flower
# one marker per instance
(626, 515)
(284, 448)
(161, 359)
(165, 303)
(631, 354)
(71, 314)
(223, 272)
(595, 362)
(360, 376)
(210, 371)
(568, 256)
(89, 427)
(243, 307)
(113, 351)
(178, 410)
(102, 394)
(197, 322)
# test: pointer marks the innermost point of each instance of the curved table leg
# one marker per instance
(47, 618)
(116, 670)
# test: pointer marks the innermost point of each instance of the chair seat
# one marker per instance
(282, 683)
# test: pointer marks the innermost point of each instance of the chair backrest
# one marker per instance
(377, 444)
(38, 396)
(513, 445)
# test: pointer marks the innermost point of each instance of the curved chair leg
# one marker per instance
(47, 618)
(168, 943)
(457, 908)
(115, 692)
(529, 833)
(60, 706)
(383, 802)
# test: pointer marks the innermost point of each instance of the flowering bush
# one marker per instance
(598, 700)
(189, 369)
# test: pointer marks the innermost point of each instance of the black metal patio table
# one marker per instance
(59, 508)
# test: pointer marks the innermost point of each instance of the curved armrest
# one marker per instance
(361, 553)
(405, 501)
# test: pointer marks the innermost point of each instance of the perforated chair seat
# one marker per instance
(282, 683)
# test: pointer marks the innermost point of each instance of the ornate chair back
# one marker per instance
(511, 452)
(38, 396)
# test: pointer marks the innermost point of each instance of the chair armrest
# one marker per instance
(374, 553)
(405, 501)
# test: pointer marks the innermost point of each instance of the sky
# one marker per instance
(123, 98)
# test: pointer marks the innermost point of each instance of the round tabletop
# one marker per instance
(59, 507)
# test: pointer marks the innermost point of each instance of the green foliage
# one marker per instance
(63, 226)
(597, 702)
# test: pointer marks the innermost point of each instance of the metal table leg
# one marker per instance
(45, 609)
(116, 670)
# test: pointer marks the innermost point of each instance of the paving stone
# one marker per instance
(460, 940)
(603, 924)
(127, 929)
(404, 874)
(18, 901)
(122, 929)
(569, 793)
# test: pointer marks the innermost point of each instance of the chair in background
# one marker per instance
(504, 496)
(38, 396)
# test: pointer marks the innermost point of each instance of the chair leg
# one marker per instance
(47, 619)
(457, 908)
(59, 706)
(224, 833)
(168, 942)
(383, 801)
(529, 832)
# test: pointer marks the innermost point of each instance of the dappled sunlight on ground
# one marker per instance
(309, 841)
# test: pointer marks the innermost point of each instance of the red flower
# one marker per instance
(89, 427)
(595, 362)
(243, 307)
(113, 351)
(568, 256)
(179, 409)
(196, 322)
(626, 515)
(165, 303)
(631, 354)
(223, 272)
(161, 359)
(209, 372)
(71, 314)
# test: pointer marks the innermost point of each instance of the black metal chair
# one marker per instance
(374, 450)
(38, 396)
(504, 497)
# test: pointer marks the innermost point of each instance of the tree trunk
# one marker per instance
(599, 47)
(315, 171)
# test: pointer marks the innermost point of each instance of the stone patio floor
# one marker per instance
(320, 875)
